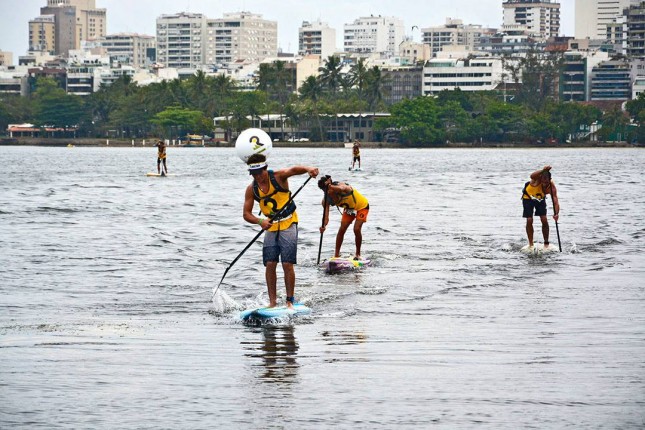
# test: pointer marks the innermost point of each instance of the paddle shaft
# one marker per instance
(271, 217)
(322, 224)
(557, 230)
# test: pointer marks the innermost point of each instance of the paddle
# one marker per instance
(322, 224)
(272, 217)
(557, 230)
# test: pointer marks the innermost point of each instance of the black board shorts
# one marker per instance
(531, 205)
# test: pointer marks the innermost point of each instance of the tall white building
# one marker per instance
(541, 18)
(240, 36)
(374, 34)
(316, 38)
(179, 40)
(593, 16)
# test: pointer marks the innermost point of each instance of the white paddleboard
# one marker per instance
(355, 169)
(538, 248)
(159, 175)
(274, 312)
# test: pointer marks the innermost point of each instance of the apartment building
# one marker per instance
(129, 48)
(316, 38)
(180, 40)
(239, 36)
(541, 18)
(6, 58)
(374, 34)
(467, 74)
(42, 33)
(452, 33)
(593, 16)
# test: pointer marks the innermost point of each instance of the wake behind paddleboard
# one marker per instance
(341, 264)
(538, 248)
(275, 312)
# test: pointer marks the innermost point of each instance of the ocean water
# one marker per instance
(107, 318)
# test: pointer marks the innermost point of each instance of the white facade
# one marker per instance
(239, 36)
(179, 40)
(593, 16)
(374, 34)
(128, 48)
(316, 38)
(541, 18)
(473, 74)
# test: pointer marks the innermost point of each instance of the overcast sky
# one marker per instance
(139, 16)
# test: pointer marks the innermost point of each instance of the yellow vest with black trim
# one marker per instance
(533, 192)
(161, 153)
(354, 201)
(274, 200)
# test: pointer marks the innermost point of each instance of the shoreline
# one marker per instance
(149, 143)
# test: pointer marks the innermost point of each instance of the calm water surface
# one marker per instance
(106, 318)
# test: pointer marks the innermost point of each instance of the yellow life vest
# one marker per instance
(533, 192)
(274, 200)
(353, 201)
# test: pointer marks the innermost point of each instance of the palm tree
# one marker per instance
(312, 90)
(375, 83)
(332, 79)
(359, 77)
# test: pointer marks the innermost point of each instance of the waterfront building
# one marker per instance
(316, 38)
(468, 73)
(129, 48)
(374, 34)
(541, 18)
(402, 83)
(611, 80)
(14, 80)
(240, 36)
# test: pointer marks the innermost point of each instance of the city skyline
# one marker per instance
(140, 16)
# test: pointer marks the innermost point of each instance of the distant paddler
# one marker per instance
(161, 157)
(534, 201)
(356, 153)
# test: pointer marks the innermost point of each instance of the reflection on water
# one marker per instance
(277, 351)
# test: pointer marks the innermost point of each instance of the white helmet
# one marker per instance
(253, 141)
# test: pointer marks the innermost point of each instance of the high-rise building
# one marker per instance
(66, 38)
(593, 16)
(74, 21)
(541, 18)
(179, 40)
(635, 24)
(42, 32)
(316, 38)
(6, 58)
(374, 34)
(240, 36)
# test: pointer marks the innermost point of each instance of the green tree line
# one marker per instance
(174, 108)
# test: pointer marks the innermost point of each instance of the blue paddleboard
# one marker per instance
(275, 312)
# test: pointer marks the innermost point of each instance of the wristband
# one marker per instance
(260, 221)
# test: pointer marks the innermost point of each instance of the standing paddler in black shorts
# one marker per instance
(534, 201)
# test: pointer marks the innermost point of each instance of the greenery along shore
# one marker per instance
(138, 143)
(528, 113)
